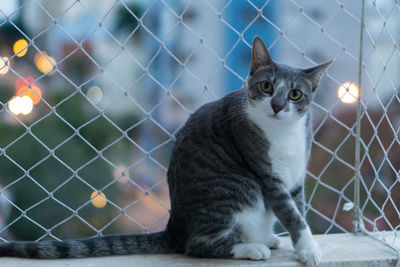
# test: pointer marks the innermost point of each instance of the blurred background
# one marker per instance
(93, 92)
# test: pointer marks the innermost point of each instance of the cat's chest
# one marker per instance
(287, 153)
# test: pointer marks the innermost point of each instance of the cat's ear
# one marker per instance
(314, 74)
(259, 55)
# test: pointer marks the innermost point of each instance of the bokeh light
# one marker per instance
(23, 89)
(44, 63)
(348, 92)
(98, 199)
(95, 94)
(20, 47)
(4, 65)
(121, 174)
(20, 105)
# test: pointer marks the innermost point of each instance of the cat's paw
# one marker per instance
(310, 254)
(253, 251)
(273, 242)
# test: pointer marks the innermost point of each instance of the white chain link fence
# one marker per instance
(91, 102)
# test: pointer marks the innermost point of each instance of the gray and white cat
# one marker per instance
(237, 164)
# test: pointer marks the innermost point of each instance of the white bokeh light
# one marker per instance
(348, 92)
(95, 94)
(20, 105)
(4, 65)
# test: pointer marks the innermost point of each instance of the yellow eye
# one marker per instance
(266, 87)
(295, 94)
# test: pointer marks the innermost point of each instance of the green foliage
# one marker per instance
(126, 21)
(53, 178)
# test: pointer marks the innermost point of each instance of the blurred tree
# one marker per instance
(126, 22)
(30, 169)
(49, 173)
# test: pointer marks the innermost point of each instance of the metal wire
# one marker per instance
(358, 223)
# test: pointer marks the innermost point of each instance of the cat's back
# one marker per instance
(210, 122)
(203, 148)
(205, 166)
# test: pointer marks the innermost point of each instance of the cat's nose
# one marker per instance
(276, 108)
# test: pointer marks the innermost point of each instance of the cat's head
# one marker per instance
(280, 92)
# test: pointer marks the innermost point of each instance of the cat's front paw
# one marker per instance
(273, 241)
(252, 251)
(310, 254)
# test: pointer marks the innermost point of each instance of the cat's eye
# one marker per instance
(295, 94)
(266, 87)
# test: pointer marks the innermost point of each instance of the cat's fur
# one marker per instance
(236, 164)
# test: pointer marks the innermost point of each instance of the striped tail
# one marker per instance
(158, 243)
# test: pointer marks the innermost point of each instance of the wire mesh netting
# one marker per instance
(92, 95)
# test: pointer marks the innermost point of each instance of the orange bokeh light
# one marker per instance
(44, 63)
(23, 89)
(98, 199)
(20, 47)
(121, 173)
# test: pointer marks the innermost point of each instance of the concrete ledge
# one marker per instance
(338, 250)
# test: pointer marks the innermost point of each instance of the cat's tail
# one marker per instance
(156, 243)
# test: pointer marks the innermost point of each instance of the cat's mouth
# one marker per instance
(275, 117)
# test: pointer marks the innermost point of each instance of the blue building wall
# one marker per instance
(239, 14)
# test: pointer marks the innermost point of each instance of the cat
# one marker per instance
(237, 164)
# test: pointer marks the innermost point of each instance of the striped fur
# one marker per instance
(234, 168)
(92, 247)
